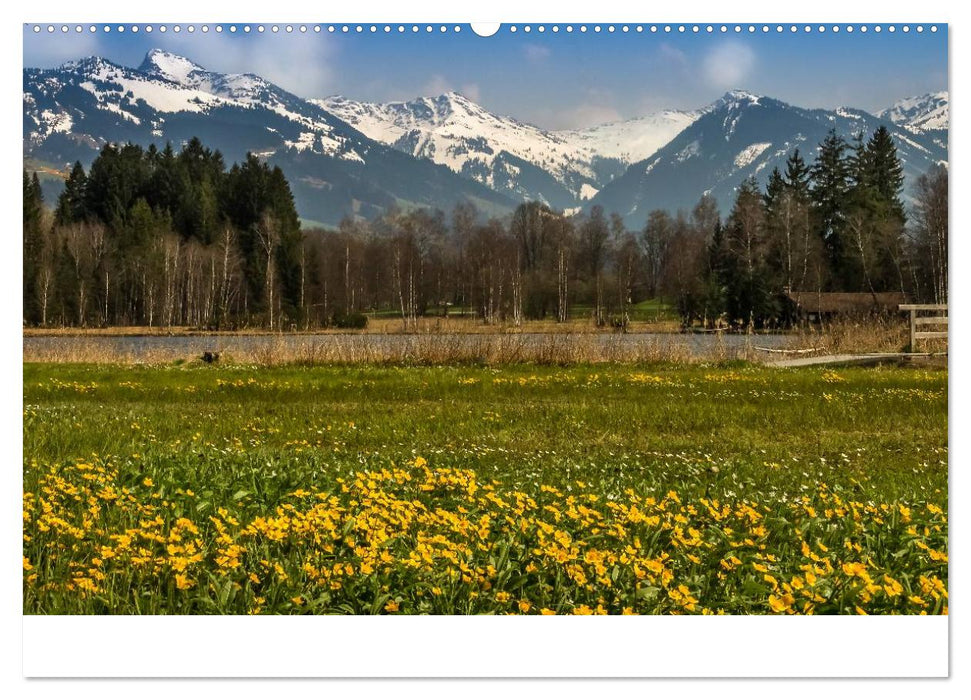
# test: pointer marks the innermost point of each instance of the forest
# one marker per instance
(155, 237)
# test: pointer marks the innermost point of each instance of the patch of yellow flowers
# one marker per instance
(417, 539)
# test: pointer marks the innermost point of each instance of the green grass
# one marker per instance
(245, 438)
(648, 310)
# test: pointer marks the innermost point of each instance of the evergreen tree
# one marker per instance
(798, 176)
(749, 300)
(874, 253)
(166, 182)
(885, 183)
(715, 277)
(72, 202)
(33, 242)
(160, 236)
(885, 173)
(774, 190)
(829, 192)
(259, 204)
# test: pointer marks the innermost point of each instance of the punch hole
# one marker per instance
(485, 28)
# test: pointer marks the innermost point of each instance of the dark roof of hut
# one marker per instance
(847, 302)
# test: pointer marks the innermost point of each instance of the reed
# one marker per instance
(493, 349)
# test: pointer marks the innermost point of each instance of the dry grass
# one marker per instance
(376, 326)
(870, 335)
(440, 346)
(415, 349)
(89, 349)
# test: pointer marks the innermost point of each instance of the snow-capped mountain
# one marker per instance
(634, 139)
(500, 152)
(160, 94)
(921, 114)
(561, 168)
(742, 135)
(335, 170)
(344, 157)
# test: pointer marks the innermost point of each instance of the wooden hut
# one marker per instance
(816, 307)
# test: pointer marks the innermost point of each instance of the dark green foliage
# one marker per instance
(830, 190)
(154, 236)
(354, 320)
(72, 204)
(258, 199)
(33, 243)
(798, 176)
(159, 237)
(747, 277)
(835, 226)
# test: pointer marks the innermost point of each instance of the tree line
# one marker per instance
(158, 238)
(836, 225)
(154, 237)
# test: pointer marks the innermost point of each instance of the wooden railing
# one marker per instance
(935, 315)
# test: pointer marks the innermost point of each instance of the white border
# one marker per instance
(474, 647)
(584, 647)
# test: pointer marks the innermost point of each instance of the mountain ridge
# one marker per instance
(452, 130)
(73, 110)
(353, 158)
(920, 113)
(746, 135)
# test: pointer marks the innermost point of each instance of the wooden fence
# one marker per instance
(933, 315)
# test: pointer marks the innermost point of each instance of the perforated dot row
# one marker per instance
(724, 28)
(442, 29)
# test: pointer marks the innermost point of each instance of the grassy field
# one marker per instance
(525, 489)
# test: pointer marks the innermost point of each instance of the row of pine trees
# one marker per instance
(154, 237)
(837, 224)
(158, 238)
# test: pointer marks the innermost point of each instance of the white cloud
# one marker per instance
(728, 65)
(672, 57)
(49, 50)
(593, 106)
(300, 63)
(585, 115)
(472, 91)
(536, 53)
(439, 85)
(436, 85)
(580, 116)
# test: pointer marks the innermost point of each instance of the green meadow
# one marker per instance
(464, 489)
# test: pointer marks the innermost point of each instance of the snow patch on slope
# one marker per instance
(691, 150)
(632, 140)
(168, 65)
(170, 84)
(748, 154)
(588, 191)
(453, 131)
(921, 113)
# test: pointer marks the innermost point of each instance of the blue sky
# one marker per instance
(555, 80)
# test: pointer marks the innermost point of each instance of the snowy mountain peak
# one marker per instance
(453, 96)
(91, 64)
(921, 113)
(743, 135)
(334, 170)
(558, 167)
(738, 94)
(736, 99)
(168, 65)
(500, 152)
